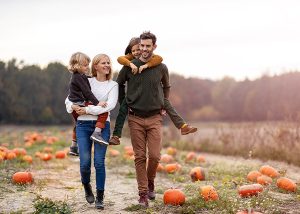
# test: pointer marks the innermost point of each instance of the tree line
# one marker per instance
(30, 94)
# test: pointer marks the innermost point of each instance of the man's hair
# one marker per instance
(148, 35)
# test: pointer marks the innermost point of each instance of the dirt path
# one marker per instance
(61, 181)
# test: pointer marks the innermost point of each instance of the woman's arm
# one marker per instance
(111, 103)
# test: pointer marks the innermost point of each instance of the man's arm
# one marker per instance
(165, 80)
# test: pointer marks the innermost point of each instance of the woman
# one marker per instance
(105, 90)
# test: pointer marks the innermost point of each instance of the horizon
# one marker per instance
(208, 40)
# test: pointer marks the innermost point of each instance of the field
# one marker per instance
(226, 153)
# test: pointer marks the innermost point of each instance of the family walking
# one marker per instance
(91, 99)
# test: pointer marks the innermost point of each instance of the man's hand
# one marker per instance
(134, 68)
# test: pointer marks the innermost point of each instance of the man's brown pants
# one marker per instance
(145, 136)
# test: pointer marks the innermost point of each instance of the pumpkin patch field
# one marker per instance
(38, 176)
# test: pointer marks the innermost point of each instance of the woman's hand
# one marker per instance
(75, 107)
(103, 104)
(81, 111)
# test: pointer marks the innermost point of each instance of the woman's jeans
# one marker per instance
(84, 129)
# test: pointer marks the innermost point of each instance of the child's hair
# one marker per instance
(148, 35)
(77, 60)
(96, 60)
(134, 41)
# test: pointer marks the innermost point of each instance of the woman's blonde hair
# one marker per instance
(96, 60)
(77, 60)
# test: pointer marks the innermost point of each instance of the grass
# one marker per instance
(46, 205)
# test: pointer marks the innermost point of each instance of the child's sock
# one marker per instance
(184, 125)
(98, 129)
(74, 143)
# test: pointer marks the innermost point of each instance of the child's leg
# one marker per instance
(177, 119)
(123, 111)
(74, 146)
(174, 116)
(100, 124)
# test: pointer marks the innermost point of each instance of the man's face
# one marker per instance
(147, 48)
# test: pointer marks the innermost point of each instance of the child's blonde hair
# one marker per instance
(77, 60)
(96, 60)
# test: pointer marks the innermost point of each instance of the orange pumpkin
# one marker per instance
(160, 168)
(250, 190)
(19, 151)
(27, 158)
(165, 158)
(174, 197)
(190, 156)
(248, 212)
(252, 176)
(264, 180)
(129, 151)
(200, 159)
(171, 151)
(60, 154)
(197, 174)
(114, 152)
(269, 171)
(286, 184)
(172, 167)
(46, 157)
(10, 155)
(209, 193)
(48, 149)
(1, 158)
(22, 177)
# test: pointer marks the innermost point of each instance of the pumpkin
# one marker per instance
(38, 154)
(27, 158)
(269, 171)
(171, 151)
(48, 149)
(209, 193)
(160, 168)
(22, 177)
(286, 184)
(46, 157)
(114, 152)
(264, 180)
(174, 197)
(252, 176)
(60, 154)
(165, 158)
(19, 151)
(172, 167)
(250, 190)
(128, 151)
(1, 158)
(190, 156)
(200, 159)
(197, 174)
(10, 155)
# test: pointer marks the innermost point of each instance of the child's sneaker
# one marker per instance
(74, 151)
(96, 136)
(114, 140)
(187, 129)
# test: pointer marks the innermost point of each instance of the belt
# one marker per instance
(130, 112)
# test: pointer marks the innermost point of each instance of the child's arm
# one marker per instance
(154, 61)
(126, 61)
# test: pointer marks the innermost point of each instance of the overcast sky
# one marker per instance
(198, 38)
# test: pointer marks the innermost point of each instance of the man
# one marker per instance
(145, 99)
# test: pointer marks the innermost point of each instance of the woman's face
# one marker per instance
(135, 51)
(103, 66)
